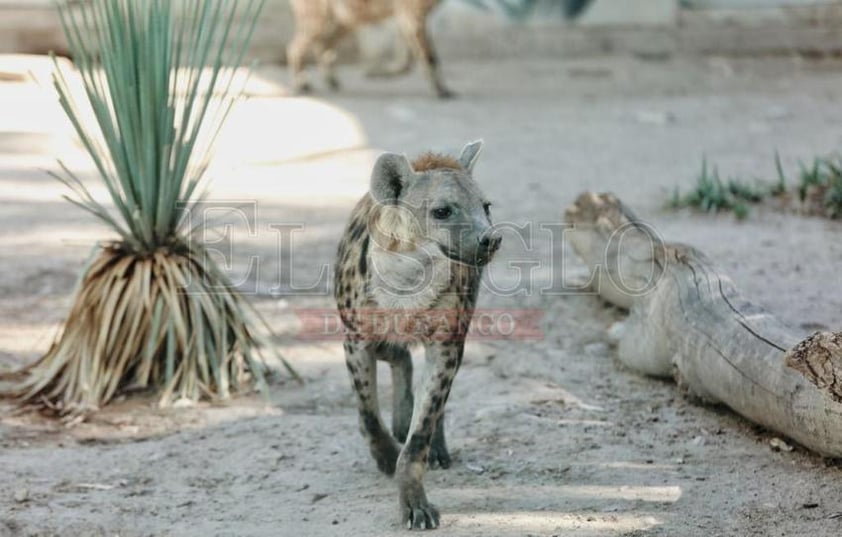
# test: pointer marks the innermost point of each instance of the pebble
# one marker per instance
(475, 468)
(779, 445)
(21, 495)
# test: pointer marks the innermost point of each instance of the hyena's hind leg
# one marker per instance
(400, 361)
(401, 64)
(439, 456)
(362, 366)
(415, 32)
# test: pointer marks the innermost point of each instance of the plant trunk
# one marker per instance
(164, 321)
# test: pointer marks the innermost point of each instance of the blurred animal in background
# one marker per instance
(320, 25)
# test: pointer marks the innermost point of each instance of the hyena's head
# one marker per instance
(433, 200)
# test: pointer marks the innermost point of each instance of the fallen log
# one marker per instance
(687, 320)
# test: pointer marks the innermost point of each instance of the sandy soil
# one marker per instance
(550, 436)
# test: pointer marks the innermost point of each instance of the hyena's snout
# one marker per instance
(489, 243)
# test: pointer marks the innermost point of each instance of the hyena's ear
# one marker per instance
(392, 173)
(469, 155)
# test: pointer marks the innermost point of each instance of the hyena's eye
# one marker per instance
(442, 213)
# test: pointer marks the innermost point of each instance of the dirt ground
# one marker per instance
(551, 436)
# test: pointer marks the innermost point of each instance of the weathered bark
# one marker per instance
(688, 320)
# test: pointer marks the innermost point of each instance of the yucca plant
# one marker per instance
(151, 310)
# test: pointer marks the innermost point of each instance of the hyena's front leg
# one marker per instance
(362, 365)
(442, 364)
(325, 50)
(298, 51)
(402, 404)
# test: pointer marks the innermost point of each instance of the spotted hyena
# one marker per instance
(321, 24)
(408, 271)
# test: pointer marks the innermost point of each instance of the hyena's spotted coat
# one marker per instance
(408, 270)
(321, 24)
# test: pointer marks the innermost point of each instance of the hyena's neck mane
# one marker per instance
(435, 161)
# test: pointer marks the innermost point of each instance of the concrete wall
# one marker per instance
(651, 28)
(463, 31)
(617, 12)
(32, 27)
(749, 4)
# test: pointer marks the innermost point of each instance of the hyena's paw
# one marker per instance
(439, 456)
(386, 455)
(333, 83)
(419, 514)
(445, 93)
(302, 88)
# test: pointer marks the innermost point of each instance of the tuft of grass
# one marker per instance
(152, 309)
(713, 194)
(808, 178)
(818, 189)
(780, 187)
